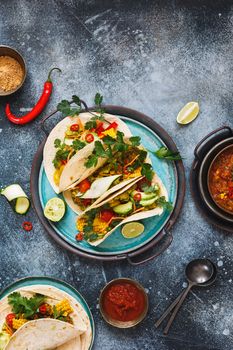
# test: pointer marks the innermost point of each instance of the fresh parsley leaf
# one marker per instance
(77, 145)
(57, 143)
(147, 171)
(98, 99)
(99, 150)
(149, 189)
(135, 140)
(91, 124)
(165, 153)
(76, 100)
(161, 202)
(108, 140)
(91, 161)
(64, 107)
(26, 306)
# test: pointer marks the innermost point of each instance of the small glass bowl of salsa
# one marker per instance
(123, 303)
(220, 179)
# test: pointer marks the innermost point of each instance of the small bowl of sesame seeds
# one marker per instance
(12, 70)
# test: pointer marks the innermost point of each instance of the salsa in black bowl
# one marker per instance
(216, 179)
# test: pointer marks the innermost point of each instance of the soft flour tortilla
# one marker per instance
(78, 335)
(76, 169)
(43, 334)
(58, 132)
(76, 208)
(134, 217)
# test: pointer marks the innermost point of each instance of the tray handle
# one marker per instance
(165, 233)
(199, 145)
(42, 123)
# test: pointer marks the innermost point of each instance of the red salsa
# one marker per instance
(221, 180)
(123, 301)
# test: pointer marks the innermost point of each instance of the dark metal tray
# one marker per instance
(162, 240)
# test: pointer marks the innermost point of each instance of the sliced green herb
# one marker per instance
(57, 143)
(135, 140)
(165, 153)
(77, 145)
(161, 202)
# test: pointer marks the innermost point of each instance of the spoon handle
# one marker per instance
(171, 319)
(168, 310)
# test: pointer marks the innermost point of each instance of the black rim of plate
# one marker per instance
(151, 124)
(57, 280)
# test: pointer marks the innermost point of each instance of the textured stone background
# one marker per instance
(153, 56)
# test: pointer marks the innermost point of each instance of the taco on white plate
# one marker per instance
(140, 199)
(71, 136)
(43, 317)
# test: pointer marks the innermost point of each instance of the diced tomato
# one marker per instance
(84, 186)
(137, 197)
(63, 161)
(79, 236)
(86, 201)
(113, 125)
(106, 215)
(9, 319)
(74, 127)
(89, 138)
(43, 309)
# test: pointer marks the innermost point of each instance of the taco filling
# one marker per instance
(98, 221)
(37, 307)
(121, 167)
(76, 136)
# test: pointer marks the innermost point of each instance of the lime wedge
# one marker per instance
(132, 229)
(55, 209)
(188, 113)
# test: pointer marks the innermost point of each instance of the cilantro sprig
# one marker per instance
(161, 202)
(65, 107)
(165, 153)
(26, 306)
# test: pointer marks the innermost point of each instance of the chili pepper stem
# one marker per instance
(49, 75)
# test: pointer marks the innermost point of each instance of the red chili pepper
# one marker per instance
(79, 236)
(100, 128)
(74, 127)
(89, 138)
(9, 319)
(137, 197)
(38, 108)
(27, 226)
(43, 309)
(113, 125)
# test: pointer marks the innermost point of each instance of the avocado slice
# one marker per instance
(148, 202)
(144, 196)
(123, 208)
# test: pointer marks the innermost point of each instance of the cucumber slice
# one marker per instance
(123, 208)
(144, 196)
(17, 198)
(147, 202)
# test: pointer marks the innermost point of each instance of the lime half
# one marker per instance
(188, 113)
(55, 209)
(132, 229)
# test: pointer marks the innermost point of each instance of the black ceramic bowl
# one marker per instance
(204, 177)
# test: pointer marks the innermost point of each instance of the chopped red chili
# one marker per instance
(27, 226)
(89, 138)
(123, 301)
(74, 127)
(9, 319)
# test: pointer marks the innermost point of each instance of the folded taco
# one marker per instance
(97, 183)
(43, 317)
(138, 200)
(73, 134)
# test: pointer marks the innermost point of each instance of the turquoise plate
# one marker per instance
(116, 244)
(31, 281)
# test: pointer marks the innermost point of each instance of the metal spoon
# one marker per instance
(199, 272)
